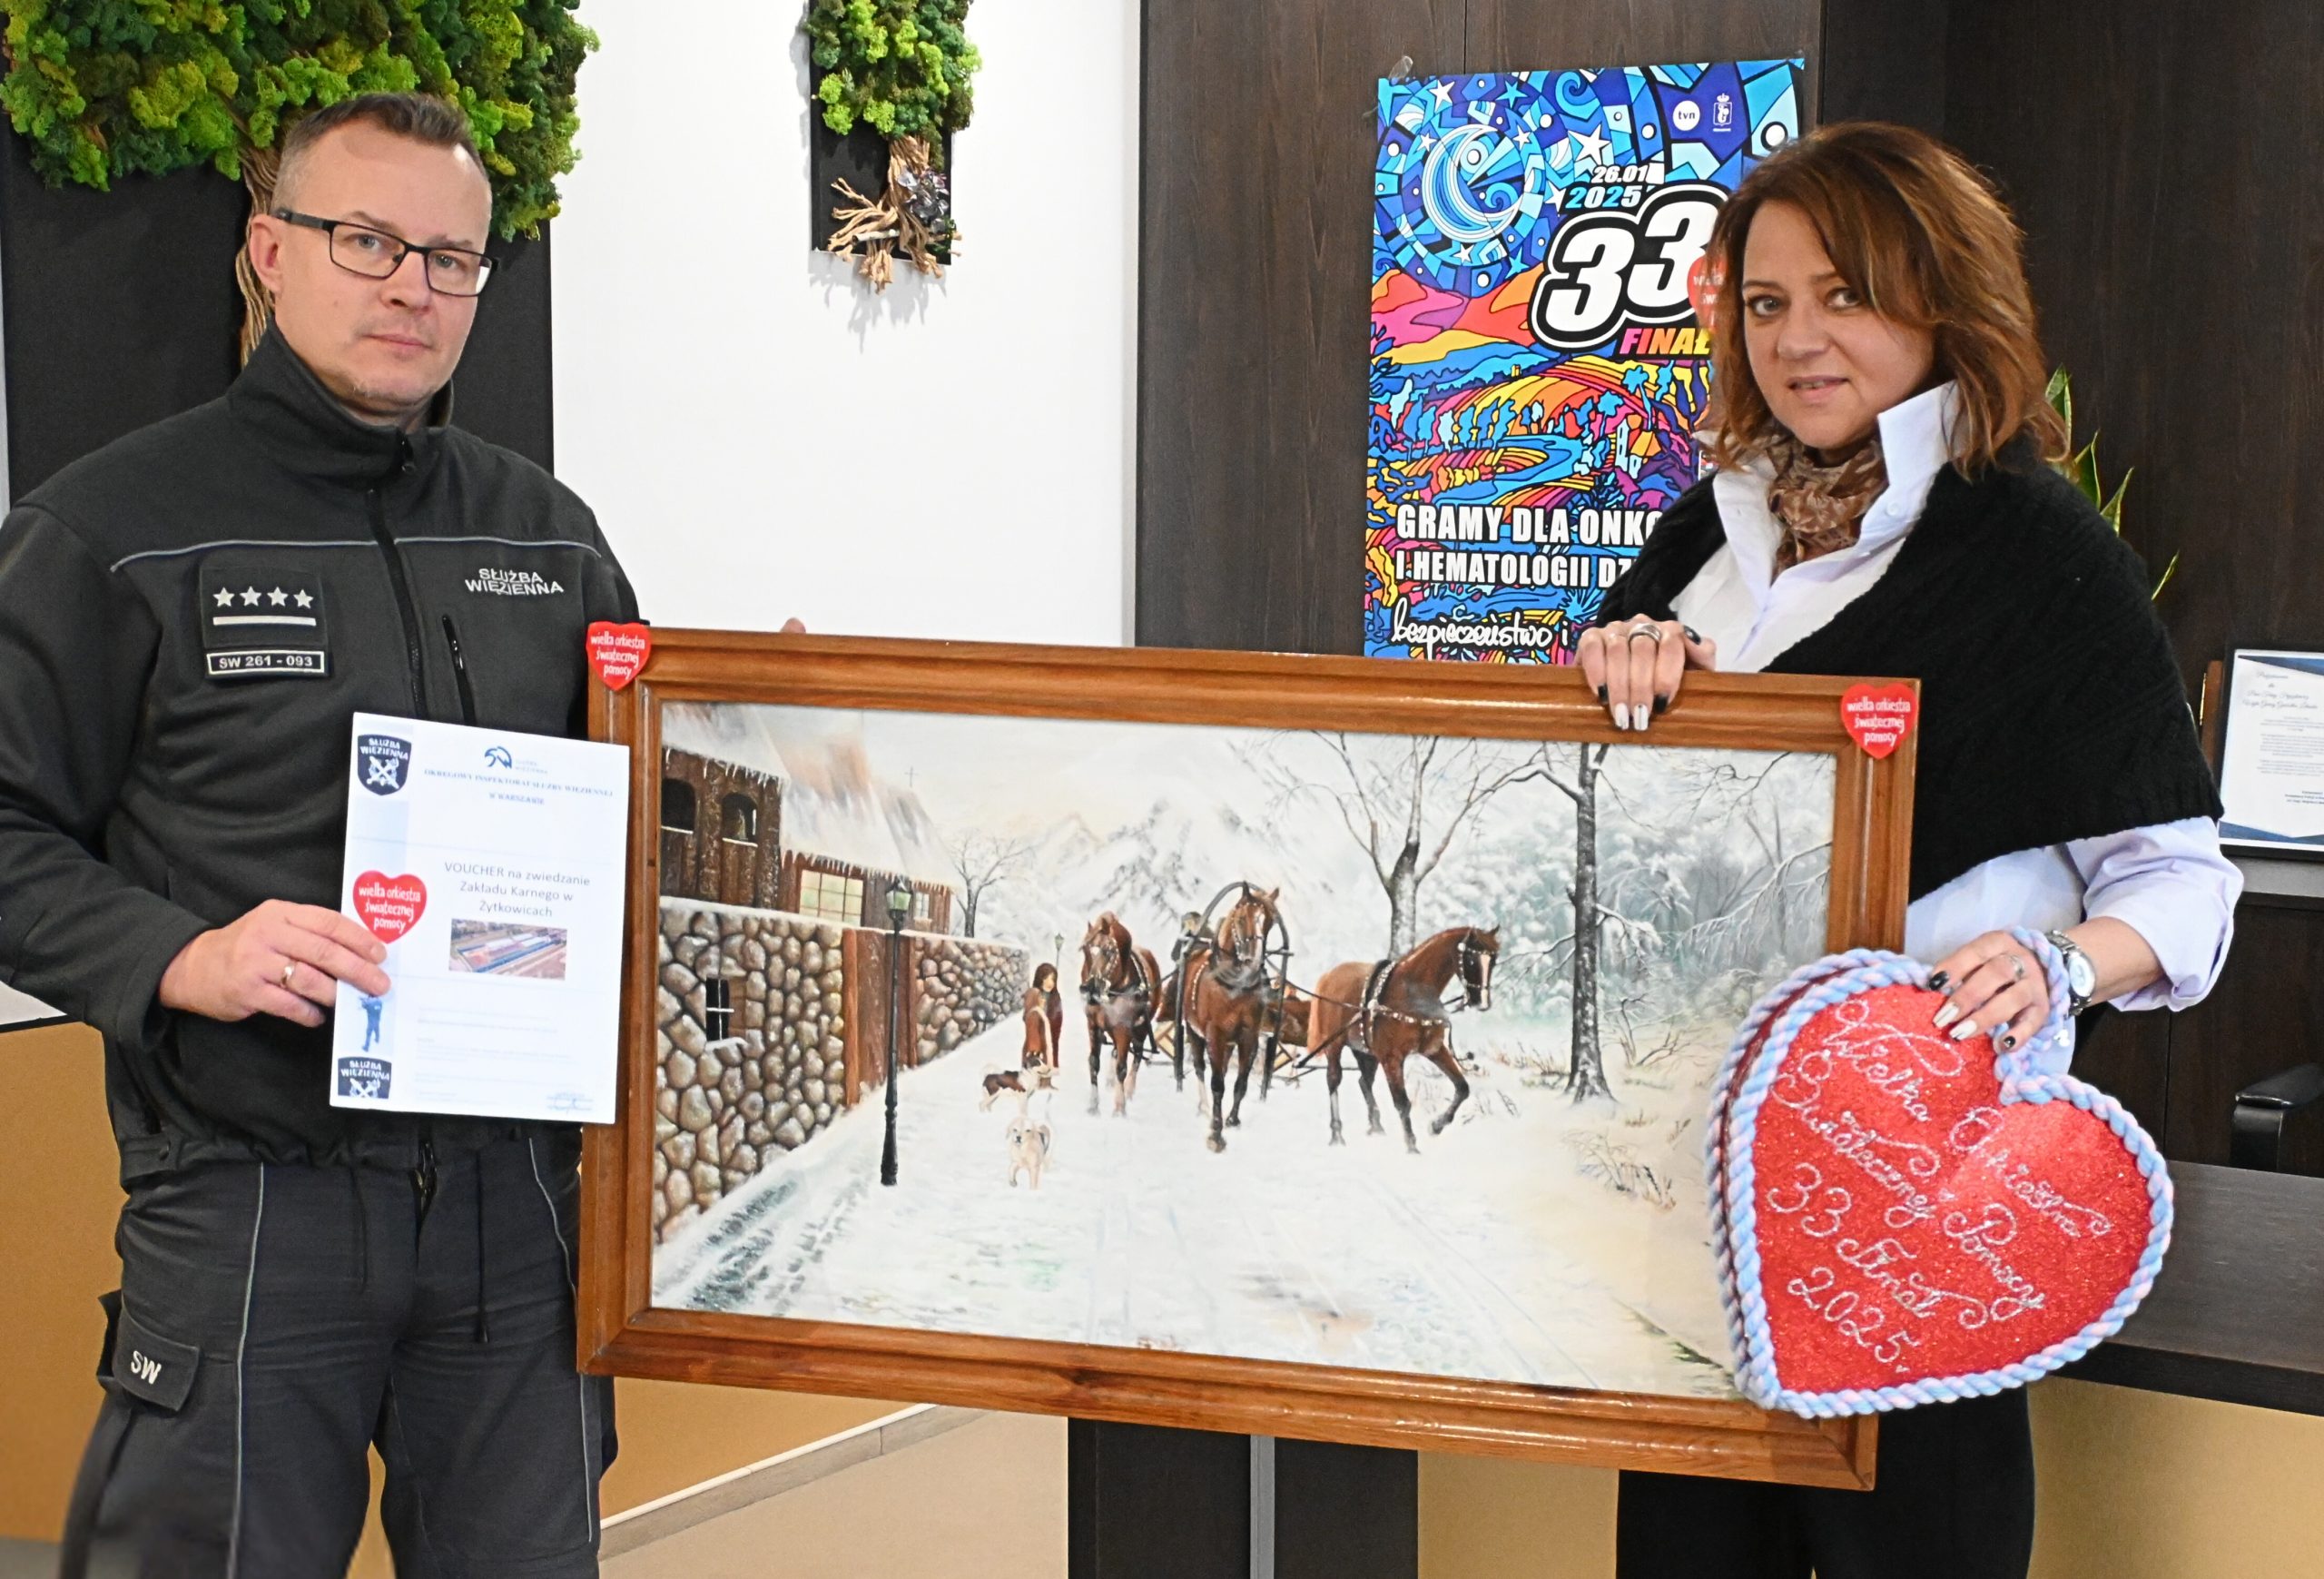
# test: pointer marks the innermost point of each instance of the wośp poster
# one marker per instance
(1538, 370)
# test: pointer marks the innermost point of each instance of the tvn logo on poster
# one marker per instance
(384, 763)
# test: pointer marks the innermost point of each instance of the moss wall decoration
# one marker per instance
(903, 70)
(102, 89)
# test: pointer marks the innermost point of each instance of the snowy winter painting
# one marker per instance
(1357, 1049)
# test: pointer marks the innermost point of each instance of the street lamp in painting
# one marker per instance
(899, 907)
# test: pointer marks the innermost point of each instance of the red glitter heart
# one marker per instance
(1911, 1223)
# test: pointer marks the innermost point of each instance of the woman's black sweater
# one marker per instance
(2050, 705)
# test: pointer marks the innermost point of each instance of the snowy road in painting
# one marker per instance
(1281, 1248)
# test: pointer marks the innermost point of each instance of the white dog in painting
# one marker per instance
(1028, 1144)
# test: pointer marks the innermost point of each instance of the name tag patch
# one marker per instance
(258, 621)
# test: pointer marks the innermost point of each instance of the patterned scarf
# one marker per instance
(1819, 509)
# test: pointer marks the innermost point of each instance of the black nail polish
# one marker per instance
(1601, 693)
(1942, 981)
(1661, 706)
(2009, 1042)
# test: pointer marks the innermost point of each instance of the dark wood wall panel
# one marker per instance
(1884, 60)
(1253, 263)
(1145, 1501)
(2266, 1015)
(1528, 35)
(120, 307)
(2128, 1056)
(2162, 158)
(1201, 321)
(1324, 59)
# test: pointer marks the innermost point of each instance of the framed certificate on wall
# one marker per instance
(2271, 759)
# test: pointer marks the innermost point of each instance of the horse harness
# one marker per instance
(1358, 1035)
(1140, 986)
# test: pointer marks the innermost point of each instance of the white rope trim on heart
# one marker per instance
(1733, 1125)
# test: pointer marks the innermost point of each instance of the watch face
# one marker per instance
(2081, 975)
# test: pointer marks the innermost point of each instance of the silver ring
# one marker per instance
(1646, 628)
(2017, 964)
(289, 969)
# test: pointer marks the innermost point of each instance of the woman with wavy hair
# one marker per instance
(1883, 504)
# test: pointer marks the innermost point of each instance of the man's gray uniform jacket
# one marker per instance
(188, 619)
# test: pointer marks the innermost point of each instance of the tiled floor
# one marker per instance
(985, 1501)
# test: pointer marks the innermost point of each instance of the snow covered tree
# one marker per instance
(1586, 1071)
(982, 860)
(1403, 801)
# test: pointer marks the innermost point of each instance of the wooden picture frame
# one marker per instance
(622, 1332)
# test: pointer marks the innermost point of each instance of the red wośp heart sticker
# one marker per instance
(1878, 717)
(1704, 278)
(390, 906)
(618, 651)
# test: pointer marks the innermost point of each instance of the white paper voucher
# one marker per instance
(491, 864)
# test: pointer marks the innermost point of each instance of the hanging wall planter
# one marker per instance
(100, 91)
(893, 81)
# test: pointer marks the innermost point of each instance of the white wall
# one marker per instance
(759, 435)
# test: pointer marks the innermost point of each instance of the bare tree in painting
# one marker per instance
(982, 860)
(1404, 804)
(1586, 1070)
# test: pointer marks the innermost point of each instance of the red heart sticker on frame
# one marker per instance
(618, 651)
(390, 906)
(1902, 1226)
(1704, 278)
(1878, 717)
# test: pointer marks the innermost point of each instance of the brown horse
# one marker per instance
(1230, 1002)
(1383, 1013)
(1120, 982)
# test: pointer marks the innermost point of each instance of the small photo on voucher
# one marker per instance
(492, 948)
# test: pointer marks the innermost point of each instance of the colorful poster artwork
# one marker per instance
(1538, 369)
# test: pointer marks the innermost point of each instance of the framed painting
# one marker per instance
(1299, 1046)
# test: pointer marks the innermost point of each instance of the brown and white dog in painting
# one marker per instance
(1025, 1082)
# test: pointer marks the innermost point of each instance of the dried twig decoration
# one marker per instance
(913, 217)
(258, 169)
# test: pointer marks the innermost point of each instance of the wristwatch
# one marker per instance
(2082, 976)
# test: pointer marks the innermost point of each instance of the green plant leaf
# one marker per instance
(103, 88)
(2084, 469)
(905, 64)
(2113, 509)
(2081, 468)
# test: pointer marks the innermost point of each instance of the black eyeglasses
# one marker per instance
(376, 255)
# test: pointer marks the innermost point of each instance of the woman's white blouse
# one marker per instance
(2169, 881)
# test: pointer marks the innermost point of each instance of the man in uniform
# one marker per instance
(188, 619)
